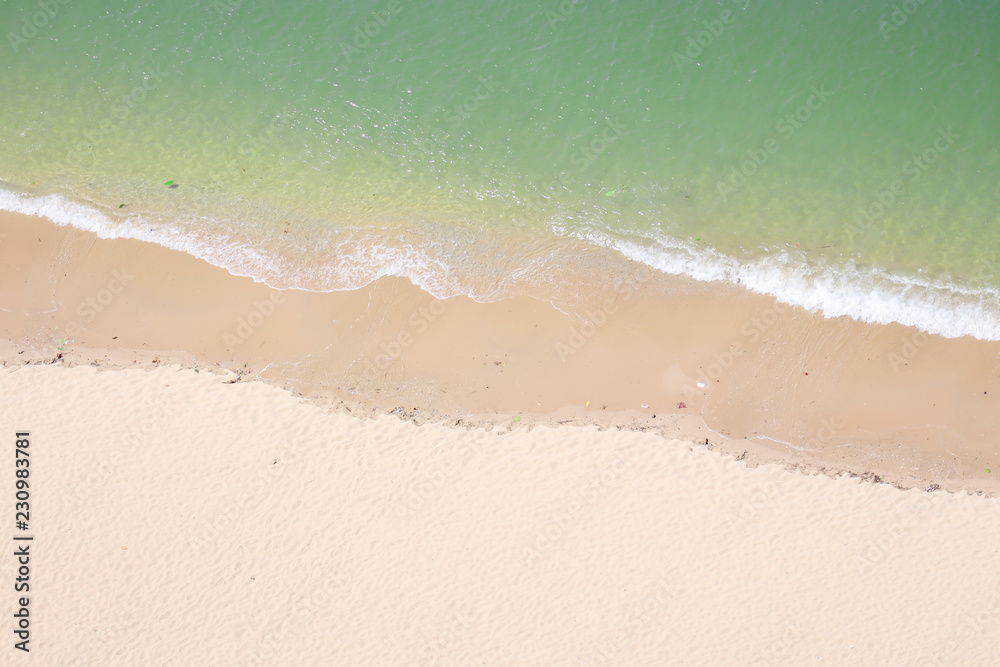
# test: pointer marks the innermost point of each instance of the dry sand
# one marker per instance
(245, 514)
(181, 520)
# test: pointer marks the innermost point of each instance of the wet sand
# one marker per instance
(655, 352)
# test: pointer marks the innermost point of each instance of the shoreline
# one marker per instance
(543, 265)
(878, 401)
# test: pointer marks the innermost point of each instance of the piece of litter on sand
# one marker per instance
(644, 406)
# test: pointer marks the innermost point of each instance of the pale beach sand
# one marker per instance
(216, 479)
(184, 520)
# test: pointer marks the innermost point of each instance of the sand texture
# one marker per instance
(183, 518)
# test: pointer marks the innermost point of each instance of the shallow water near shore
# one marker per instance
(842, 158)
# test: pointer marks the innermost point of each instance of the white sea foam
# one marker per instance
(349, 265)
(863, 293)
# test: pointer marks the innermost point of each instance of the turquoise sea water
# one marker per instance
(840, 156)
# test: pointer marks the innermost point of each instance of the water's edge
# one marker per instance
(864, 293)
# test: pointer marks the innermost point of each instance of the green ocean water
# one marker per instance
(840, 156)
